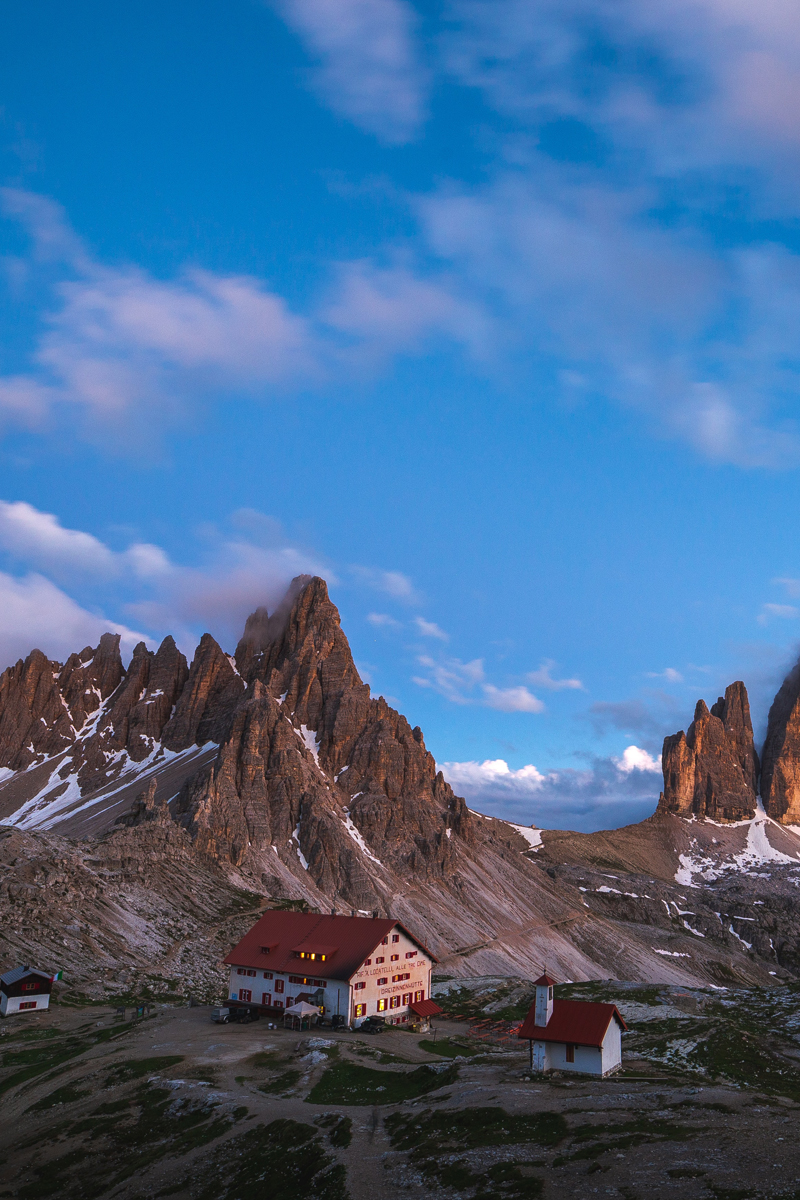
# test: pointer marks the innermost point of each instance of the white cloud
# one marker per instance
(543, 677)
(242, 567)
(40, 539)
(35, 614)
(383, 621)
(636, 759)
(129, 350)
(430, 629)
(608, 794)
(385, 309)
(669, 673)
(476, 777)
(783, 612)
(369, 69)
(511, 699)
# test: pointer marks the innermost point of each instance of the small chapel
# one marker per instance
(572, 1035)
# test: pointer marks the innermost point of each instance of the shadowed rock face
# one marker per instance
(712, 771)
(314, 765)
(780, 775)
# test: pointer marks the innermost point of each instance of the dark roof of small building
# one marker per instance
(18, 973)
(276, 940)
(545, 981)
(425, 1008)
(581, 1022)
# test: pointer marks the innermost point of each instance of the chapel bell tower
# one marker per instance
(544, 1000)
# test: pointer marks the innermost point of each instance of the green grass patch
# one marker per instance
(281, 1084)
(429, 1132)
(430, 1138)
(601, 1139)
(137, 1068)
(283, 1160)
(452, 1048)
(120, 1140)
(339, 1127)
(351, 1083)
(68, 1094)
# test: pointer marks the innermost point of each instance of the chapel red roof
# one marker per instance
(275, 941)
(425, 1008)
(582, 1022)
(545, 981)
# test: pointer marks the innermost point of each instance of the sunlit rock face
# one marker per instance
(712, 771)
(780, 774)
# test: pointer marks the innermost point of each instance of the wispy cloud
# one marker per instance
(511, 699)
(452, 678)
(466, 683)
(783, 612)
(669, 674)
(383, 621)
(390, 583)
(430, 629)
(543, 677)
(369, 67)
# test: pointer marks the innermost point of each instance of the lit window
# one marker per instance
(406, 998)
(418, 996)
(395, 957)
(395, 1002)
(381, 1006)
(361, 1010)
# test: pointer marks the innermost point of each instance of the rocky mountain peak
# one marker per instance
(713, 769)
(780, 773)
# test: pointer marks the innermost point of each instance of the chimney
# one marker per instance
(375, 914)
(352, 912)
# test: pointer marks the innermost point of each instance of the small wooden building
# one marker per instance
(572, 1035)
(25, 989)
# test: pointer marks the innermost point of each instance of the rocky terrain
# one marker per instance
(148, 814)
(103, 1104)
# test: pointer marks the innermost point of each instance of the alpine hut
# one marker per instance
(572, 1035)
(350, 968)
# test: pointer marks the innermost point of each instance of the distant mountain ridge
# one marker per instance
(273, 776)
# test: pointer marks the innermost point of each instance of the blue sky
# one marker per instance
(486, 311)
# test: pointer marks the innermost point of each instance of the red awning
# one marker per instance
(426, 1008)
